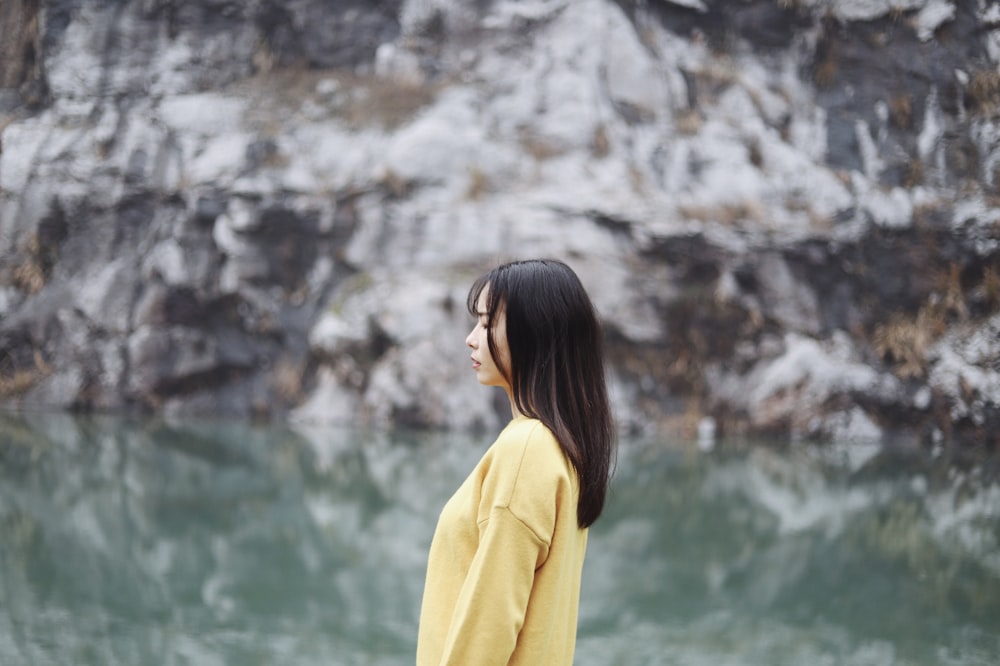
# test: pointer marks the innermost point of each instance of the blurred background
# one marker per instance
(235, 244)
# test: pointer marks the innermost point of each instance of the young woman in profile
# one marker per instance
(503, 574)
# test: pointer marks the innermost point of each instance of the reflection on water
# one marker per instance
(139, 542)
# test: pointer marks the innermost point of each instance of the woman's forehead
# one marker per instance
(483, 302)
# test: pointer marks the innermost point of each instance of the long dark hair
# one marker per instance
(556, 368)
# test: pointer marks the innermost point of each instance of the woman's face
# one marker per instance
(488, 370)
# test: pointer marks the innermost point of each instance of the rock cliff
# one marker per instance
(788, 212)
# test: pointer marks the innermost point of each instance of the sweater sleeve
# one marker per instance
(492, 603)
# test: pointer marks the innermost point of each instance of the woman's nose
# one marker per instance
(470, 339)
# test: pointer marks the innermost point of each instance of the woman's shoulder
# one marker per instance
(529, 438)
(524, 430)
(529, 472)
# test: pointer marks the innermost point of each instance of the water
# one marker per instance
(140, 542)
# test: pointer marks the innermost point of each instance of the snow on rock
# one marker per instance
(398, 64)
(933, 15)
(167, 262)
(239, 217)
(205, 114)
(336, 158)
(929, 145)
(978, 219)
(690, 4)
(965, 370)
(860, 435)
(888, 209)
(24, 145)
(866, 10)
(988, 135)
(104, 297)
(791, 303)
(443, 142)
(75, 68)
(633, 79)
(793, 386)
(333, 333)
(8, 299)
(990, 13)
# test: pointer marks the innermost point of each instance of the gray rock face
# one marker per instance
(788, 214)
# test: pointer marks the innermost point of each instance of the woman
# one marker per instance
(503, 574)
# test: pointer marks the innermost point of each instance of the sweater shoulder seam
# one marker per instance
(523, 524)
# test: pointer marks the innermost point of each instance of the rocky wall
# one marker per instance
(788, 213)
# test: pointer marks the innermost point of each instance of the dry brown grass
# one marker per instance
(800, 203)
(600, 145)
(948, 290)
(29, 274)
(275, 160)
(286, 379)
(726, 214)
(384, 102)
(904, 341)
(397, 185)
(18, 381)
(991, 288)
(826, 68)
(263, 58)
(688, 122)
(901, 111)
(720, 73)
(984, 91)
(479, 184)
(359, 101)
(684, 423)
(538, 147)
(914, 174)
(636, 179)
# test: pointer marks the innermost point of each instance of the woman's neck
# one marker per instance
(514, 411)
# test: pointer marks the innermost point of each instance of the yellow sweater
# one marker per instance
(503, 574)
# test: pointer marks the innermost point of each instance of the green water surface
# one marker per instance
(142, 542)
